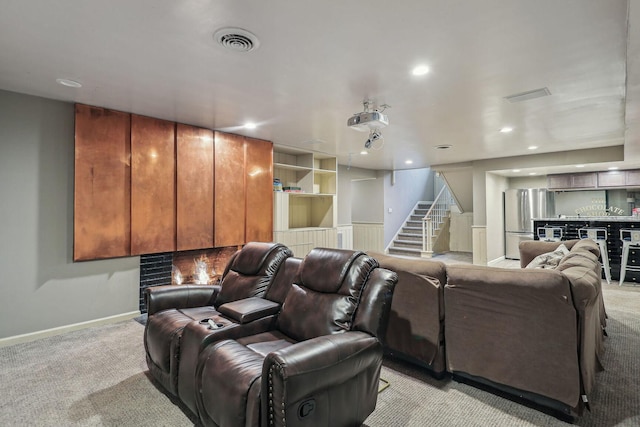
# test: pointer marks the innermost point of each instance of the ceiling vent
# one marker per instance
(525, 96)
(236, 39)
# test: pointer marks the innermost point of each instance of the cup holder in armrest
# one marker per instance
(212, 324)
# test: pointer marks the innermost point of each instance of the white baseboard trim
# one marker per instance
(32, 336)
(493, 262)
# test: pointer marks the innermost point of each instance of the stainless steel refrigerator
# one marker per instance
(521, 206)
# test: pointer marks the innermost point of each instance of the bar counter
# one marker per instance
(612, 224)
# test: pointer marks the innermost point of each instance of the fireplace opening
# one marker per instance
(201, 266)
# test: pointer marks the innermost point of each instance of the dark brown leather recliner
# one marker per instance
(318, 364)
(249, 273)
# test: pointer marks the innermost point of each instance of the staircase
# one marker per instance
(408, 241)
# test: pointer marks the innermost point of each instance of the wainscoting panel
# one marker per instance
(345, 237)
(479, 244)
(301, 241)
(368, 236)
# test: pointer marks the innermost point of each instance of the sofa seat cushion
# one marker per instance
(225, 402)
(549, 259)
(267, 342)
(164, 330)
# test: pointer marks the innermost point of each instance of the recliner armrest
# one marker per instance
(317, 364)
(160, 298)
(249, 309)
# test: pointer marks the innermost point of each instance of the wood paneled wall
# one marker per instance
(102, 177)
(259, 184)
(194, 188)
(153, 185)
(145, 185)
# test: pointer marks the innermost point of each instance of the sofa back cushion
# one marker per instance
(251, 271)
(326, 294)
(586, 245)
(529, 249)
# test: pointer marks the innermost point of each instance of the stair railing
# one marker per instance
(434, 217)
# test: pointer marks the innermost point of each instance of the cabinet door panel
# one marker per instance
(632, 177)
(611, 179)
(583, 180)
(153, 192)
(101, 225)
(194, 187)
(229, 172)
(259, 169)
(559, 181)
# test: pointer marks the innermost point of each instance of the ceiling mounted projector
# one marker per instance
(368, 120)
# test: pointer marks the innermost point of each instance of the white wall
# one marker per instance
(496, 185)
(41, 286)
(367, 201)
(401, 192)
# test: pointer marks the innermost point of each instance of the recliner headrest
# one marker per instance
(253, 255)
(325, 270)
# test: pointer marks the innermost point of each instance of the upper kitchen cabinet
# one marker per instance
(611, 179)
(101, 226)
(153, 190)
(259, 189)
(230, 196)
(194, 187)
(572, 181)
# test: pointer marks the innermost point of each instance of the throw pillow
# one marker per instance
(549, 259)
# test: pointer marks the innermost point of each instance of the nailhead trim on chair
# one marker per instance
(271, 414)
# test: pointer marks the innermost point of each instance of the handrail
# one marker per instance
(434, 203)
(433, 218)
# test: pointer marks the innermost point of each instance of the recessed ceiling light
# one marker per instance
(579, 166)
(506, 129)
(515, 170)
(443, 146)
(364, 153)
(420, 70)
(613, 168)
(68, 83)
(250, 125)
(408, 162)
(532, 147)
(533, 173)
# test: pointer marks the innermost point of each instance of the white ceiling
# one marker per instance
(318, 60)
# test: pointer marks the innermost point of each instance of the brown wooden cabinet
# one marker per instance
(153, 190)
(144, 185)
(194, 185)
(559, 181)
(572, 180)
(259, 195)
(101, 226)
(632, 177)
(611, 179)
(229, 173)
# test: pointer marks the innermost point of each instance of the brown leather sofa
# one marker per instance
(315, 362)
(534, 334)
(249, 273)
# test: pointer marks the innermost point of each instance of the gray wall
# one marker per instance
(42, 287)
(401, 196)
(367, 201)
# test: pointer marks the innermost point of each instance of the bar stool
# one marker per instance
(550, 234)
(629, 238)
(598, 235)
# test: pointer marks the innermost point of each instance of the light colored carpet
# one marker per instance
(98, 377)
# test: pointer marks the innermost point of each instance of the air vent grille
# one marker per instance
(530, 94)
(236, 39)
